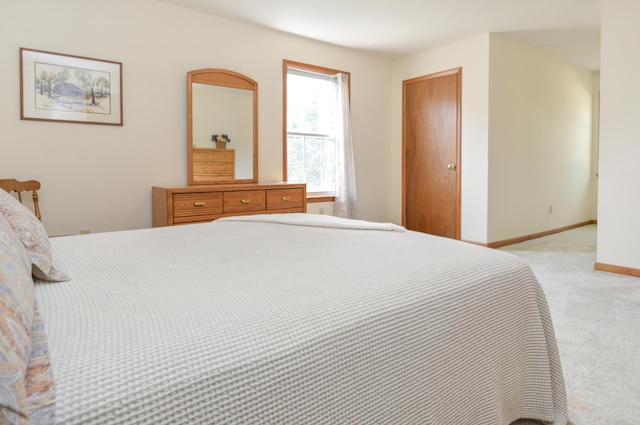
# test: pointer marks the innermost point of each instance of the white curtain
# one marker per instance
(345, 203)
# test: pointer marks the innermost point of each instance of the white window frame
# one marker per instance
(303, 69)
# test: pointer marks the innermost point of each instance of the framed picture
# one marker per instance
(58, 87)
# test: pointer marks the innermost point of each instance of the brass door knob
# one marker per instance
(451, 166)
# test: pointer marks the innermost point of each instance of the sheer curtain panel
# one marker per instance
(345, 201)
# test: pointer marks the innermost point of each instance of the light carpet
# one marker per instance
(597, 323)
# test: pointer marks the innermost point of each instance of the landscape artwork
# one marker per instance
(58, 87)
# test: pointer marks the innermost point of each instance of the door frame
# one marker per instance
(405, 83)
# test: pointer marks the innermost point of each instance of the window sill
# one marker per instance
(320, 198)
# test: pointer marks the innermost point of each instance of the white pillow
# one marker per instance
(34, 237)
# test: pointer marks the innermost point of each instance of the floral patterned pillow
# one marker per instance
(16, 319)
(38, 380)
(34, 237)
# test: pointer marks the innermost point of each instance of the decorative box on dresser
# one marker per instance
(194, 204)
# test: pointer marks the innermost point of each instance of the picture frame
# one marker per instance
(68, 88)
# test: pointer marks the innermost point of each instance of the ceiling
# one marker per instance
(567, 28)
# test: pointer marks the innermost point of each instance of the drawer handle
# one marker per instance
(286, 198)
(245, 201)
(198, 204)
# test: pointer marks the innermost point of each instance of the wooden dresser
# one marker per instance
(214, 164)
(193, 204)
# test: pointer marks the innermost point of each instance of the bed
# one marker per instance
(283, 319)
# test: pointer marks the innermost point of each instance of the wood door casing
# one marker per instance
(431, 146)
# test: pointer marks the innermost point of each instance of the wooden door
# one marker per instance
(431, 153)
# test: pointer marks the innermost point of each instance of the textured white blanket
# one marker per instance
(258, 323)
(315, 220)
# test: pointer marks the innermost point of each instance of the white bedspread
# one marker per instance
(250, 322)
(314, 220)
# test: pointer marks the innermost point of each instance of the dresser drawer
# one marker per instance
(213, 155)
(203, 155)
(193, 204)
(203, 167)
(200, 203)
(223, 168)
(244, 200)
(224, 155)
(278, 199)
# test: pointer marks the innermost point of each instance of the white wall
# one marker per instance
(540, 142)
(618, 193)
(100, 177)
(527, 138)
(595, 142)
(473, 56)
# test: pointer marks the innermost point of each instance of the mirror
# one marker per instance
(221, 103)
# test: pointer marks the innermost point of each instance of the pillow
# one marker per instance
(16, 319)
(34, 237)
(39, 384)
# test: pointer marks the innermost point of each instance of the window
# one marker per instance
(311, 125)
(317, 147)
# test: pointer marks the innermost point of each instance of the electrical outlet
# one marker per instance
(550, 209)
(85, 231)
(321, 211)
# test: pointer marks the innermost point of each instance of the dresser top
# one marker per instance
(228, 187)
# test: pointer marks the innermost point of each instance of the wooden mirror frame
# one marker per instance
(223, 78)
